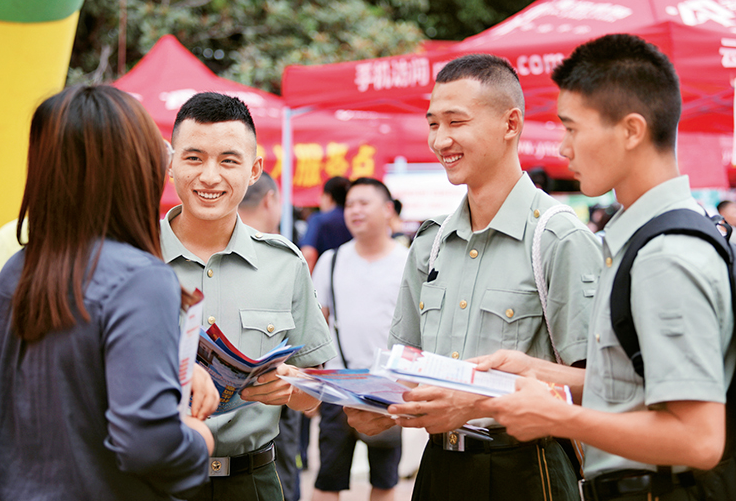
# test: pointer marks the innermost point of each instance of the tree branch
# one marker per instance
(99, 73)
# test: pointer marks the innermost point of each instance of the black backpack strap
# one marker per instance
(334, 306)
(678, 221)
(683, 222)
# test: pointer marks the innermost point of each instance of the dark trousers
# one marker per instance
(261, 485)
(539, 471)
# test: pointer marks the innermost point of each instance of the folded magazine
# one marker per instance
(231, 370)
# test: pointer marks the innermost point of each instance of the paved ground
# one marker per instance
(413, 446)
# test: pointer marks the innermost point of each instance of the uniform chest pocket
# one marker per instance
(431, 299)
(263, 330)
(510, 319)
(618, 380)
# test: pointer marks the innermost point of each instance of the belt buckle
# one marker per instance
(453, 441)
(219, 466)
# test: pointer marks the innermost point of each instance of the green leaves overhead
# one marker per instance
(252, 41)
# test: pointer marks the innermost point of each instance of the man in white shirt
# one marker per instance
(365, 277)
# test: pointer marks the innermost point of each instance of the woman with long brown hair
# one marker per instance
(89, 316)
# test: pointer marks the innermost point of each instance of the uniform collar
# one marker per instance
(241, 242)
(510, 220)
(663, 197)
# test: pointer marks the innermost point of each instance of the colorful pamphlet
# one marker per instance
(411, 364)
(359, 389)
(231, 370)
(356, 388)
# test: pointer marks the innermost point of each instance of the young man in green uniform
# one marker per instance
(620, 103)
(256, 286)
(480, 294)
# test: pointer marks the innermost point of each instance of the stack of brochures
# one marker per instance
(356, 388)
(375, 389)
(411, 364)
(231, 370)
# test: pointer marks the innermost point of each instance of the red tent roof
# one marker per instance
(169, 74)
(699, 36)
(399, 83)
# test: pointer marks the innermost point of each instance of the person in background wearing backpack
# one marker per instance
(480, 293)
(364, 274)
(620, 104)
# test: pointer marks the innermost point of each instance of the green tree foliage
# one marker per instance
(324, 31)
(452, 19)
(249, 41)
(252, 41)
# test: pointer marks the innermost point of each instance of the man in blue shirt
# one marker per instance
(327, 229)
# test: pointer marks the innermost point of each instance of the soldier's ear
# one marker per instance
(635, 129)
(514, 123)
(256, 170)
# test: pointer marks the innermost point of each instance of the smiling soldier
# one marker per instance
(479, 295)
(256, 286)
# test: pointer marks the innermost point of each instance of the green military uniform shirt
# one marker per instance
(485, 298)
(259, 292)
(681, 304)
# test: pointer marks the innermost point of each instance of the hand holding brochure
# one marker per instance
(355, 388)
(412, 364)
(359, 389)
(231, 370)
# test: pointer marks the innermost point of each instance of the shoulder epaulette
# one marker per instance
(275, 240)
(434, 221)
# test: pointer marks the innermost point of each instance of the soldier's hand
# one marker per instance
(437, 409)
(313, 412)
(528, 413)
(511, 361)
(368, 423)
(269, 388)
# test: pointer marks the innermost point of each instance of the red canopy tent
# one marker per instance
(351, 143)
(699, 36)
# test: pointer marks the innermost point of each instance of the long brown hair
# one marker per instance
(96, 169)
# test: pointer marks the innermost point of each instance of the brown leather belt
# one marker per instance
(223, 466)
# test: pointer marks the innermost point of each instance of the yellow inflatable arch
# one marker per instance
(37, 36)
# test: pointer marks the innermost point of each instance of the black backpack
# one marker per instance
(720, 482)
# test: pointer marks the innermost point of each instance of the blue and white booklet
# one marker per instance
(231, 370)
(356, 388)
